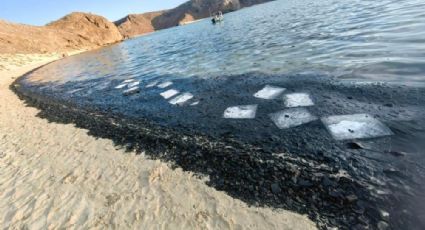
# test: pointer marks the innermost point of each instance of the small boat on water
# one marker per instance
(218, 17)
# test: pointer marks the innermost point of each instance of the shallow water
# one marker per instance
(331, 88)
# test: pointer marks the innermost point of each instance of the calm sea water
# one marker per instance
(359, 40)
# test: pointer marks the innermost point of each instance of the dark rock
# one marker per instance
(393, 171)
(327, 183)
(358, 210)
(382, 225)
(276, 188)
(354, 145)
(351, 198)
(363, 220)
(396, 153)
(335, 194)
(304, 183)
(131, 91)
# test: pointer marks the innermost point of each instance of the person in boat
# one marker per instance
(218, 17)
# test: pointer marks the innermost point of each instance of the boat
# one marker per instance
(218, 17)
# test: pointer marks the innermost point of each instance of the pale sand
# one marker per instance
(56, 176)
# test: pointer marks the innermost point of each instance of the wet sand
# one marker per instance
(57, 176)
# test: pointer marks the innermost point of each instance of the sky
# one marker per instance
(41, 12)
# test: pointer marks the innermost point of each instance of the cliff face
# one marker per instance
(137, 24)
(73, 32)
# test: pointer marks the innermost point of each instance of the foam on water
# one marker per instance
(169, 93)
(181, 99)
(165, 84)
(356, 126)
(269, 92)
(241, 112)
(298, 100)
(292, 117)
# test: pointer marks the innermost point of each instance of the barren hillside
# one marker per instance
(137, 24)
(73, 32)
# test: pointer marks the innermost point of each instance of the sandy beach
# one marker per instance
(57, 176)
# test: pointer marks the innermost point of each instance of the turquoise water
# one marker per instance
(355, 40)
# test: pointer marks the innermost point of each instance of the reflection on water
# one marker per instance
(357, 40)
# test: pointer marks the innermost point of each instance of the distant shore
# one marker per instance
(58, 176)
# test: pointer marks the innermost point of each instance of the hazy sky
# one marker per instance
(40, 12)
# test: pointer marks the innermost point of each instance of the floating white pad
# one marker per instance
(195, 103)
(128, 81)
(241, 112)
(181, 99)
(292, 117)
(121, 86)
(169, 93)
(165, 84)
(152, 84)
(355, 126)
(269, 92)
(131, 91)
(131, 85)
(298, 100)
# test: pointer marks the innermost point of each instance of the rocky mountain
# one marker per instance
(137, 24)
(197, 9)
(75, 31)
(92, 28)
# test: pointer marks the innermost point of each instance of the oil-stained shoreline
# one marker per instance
(330, 189)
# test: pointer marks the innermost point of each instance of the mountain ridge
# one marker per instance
(75, 31)
(85, 31)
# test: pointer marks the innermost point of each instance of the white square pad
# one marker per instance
(169, 93)
(298, 100)
(181, 99)
(292, 117)
(269, 92)
(355, 126)
(241, 112)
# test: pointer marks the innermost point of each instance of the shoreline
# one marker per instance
(55, 175)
